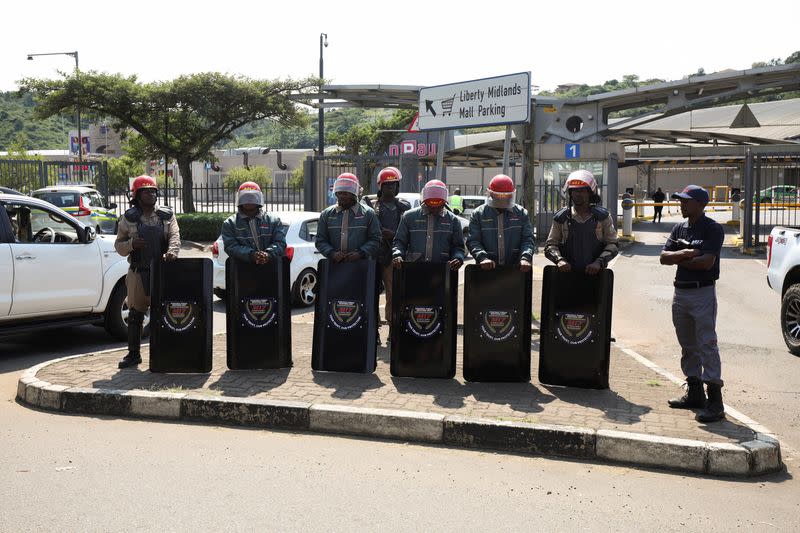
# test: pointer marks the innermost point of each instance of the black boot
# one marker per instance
(715, 410)
(694, 398)
(134, 357)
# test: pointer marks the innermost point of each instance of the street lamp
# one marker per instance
(77, 108)
(323, 42)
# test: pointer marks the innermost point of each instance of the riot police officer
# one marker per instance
(251, 234)
(500, 231)
(389, 210)
(582, 237)
(430, 232)
(140, 228)
(349, 230)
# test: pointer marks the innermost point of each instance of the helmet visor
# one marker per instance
(502, 200)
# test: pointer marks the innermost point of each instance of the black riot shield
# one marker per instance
(144, 258)
(345, 317)
(424, 304)
(575, 344)
(258, 320)
(497, 324)
(181, 315)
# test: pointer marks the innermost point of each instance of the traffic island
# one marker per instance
(630, 423)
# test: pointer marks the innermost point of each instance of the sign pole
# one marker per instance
(440, 155)
(506, 149)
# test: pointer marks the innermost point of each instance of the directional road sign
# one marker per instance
(469, 104)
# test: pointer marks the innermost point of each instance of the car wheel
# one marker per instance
(117, 314)
(304, 291)
(790, 318)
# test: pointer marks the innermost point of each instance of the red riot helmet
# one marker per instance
(142, 182)
(388, 175)
(501, 192)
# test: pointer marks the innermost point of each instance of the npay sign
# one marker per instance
(470, 104)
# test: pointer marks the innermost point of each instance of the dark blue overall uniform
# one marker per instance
(694, 305)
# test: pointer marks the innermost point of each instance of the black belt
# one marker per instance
(692, 284)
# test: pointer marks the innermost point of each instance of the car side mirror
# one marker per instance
(90, 234)
(112, 205)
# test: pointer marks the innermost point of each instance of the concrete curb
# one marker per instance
(757, 457)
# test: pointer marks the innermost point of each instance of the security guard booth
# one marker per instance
(424, 304)
(345, 317)
(181, 316)
(497, 324)
(575, 343)
(259, 314)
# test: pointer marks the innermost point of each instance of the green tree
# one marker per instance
(238, 175)
(121, 169)
(182, 119)
(298, 177)
(373, 138)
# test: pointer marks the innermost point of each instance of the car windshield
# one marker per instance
(471, 203)
(30, 221)
(59, 199)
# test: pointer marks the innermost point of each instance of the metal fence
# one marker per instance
(771, 194)
(211, 199)
(27, 175)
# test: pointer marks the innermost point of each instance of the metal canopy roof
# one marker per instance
(383, 96)
(779, 124)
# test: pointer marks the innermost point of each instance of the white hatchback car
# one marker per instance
(300, 249)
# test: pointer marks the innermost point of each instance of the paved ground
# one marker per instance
(636, 401)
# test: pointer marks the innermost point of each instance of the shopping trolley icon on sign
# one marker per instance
(447, 106)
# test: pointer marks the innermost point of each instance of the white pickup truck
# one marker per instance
(54, 271)
(783, 276)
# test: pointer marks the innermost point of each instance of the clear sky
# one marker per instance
(405, 42)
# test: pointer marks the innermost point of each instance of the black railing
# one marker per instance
(25, 175)
(221, 199)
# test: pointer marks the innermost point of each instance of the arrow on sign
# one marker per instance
(429, 107)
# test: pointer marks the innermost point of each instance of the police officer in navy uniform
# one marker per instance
(694, 246)
(389, 210)
(145, 216)
(583, 237)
